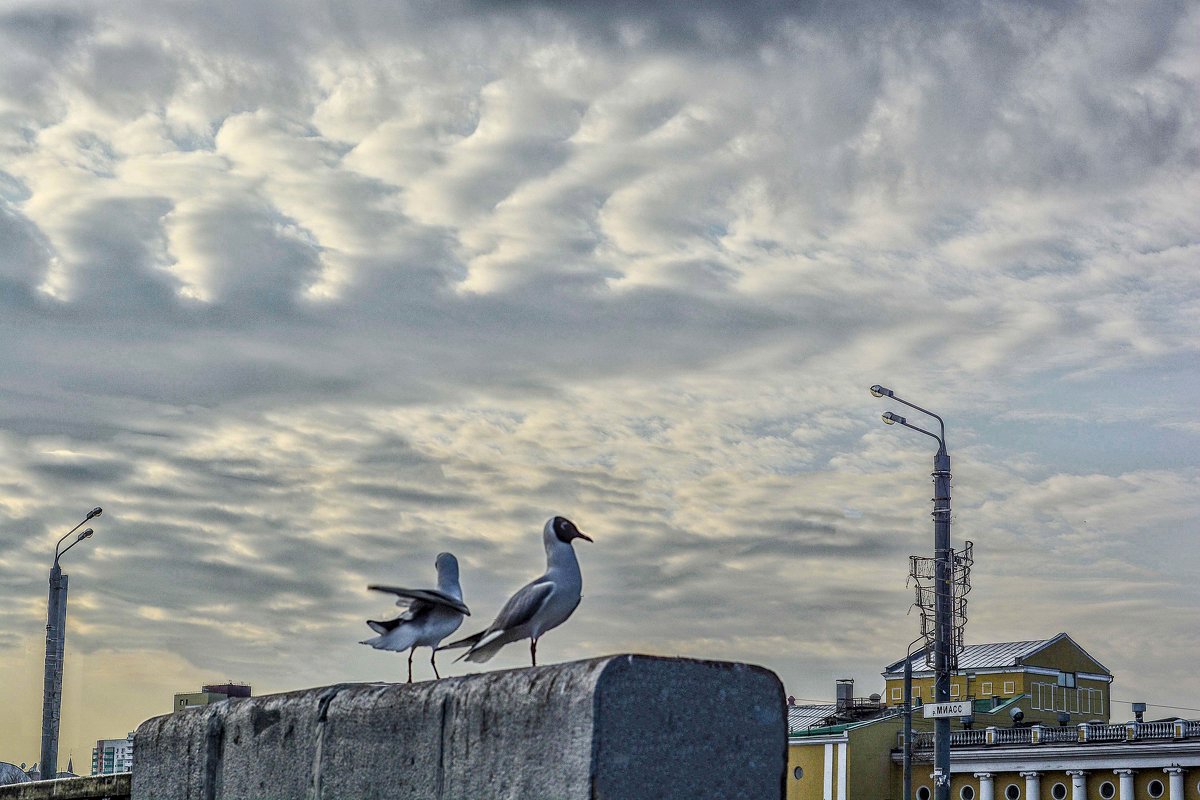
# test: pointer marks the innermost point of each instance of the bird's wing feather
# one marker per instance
(382, 626)
(466, 641)
(427, 595)
(522, 606)
(519, 609)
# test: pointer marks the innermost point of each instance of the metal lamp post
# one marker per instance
(56, 636)
(943, 573)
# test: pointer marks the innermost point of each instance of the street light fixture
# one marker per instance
(943, 572)
(56, 637)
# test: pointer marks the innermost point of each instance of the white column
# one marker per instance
(1126, 792)
(841, 758)
(1078, 784)
(987, 789)
(829, 772)
(1033, 785)
(1176, 773)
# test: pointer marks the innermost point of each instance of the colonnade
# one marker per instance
(1079, 778)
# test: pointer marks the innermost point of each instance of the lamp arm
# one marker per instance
(941, 439)
(58, 555)
(65, 549)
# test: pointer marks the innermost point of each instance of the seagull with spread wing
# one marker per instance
(430, 616)
(537, 607)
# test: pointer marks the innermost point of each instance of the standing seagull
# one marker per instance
(431, 615)
(538, 606)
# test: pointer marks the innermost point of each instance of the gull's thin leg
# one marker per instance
(433, 661)
(533, 650)
(410, 655)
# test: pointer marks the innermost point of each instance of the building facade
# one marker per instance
(1088, 761)
(212, 693)
(1040, 730)
(1127, 761)
(1053, 676)
(111, 756)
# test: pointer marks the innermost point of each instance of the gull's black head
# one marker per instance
(566, 531)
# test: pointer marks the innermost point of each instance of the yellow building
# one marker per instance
(841, 761)
(1127, 761)
(1040, 731)
(1055, 675)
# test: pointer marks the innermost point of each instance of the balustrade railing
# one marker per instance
(1051, 735)
(1013, 735)
(1071, 734)
(963, 738)
(1154, 730)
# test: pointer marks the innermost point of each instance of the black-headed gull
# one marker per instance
(430, 616)
(540, 605)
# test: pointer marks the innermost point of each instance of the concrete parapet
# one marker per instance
(98, 787)
(615, 728)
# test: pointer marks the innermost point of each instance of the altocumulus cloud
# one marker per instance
(305, 294)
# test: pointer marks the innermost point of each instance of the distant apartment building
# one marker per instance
(111, 756)
(212, 693)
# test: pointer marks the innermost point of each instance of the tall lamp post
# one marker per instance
(56, 637)
(943, 573)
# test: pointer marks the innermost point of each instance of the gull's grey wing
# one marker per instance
(432, 596)
(522, 606)
(466, 641)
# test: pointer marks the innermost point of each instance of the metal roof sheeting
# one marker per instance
(981, 656)
(802, 717)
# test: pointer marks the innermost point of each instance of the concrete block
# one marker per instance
(97, 787)
(614, 728)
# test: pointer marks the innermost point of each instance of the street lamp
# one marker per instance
(943, 572)
(56, 637)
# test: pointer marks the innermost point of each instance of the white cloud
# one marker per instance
(305, 294)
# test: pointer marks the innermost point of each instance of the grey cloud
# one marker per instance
(24, 257)
(98, 471)
(409, 496)
(348, 287)
(121, 243)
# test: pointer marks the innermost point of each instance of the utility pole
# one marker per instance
(944, 624)
(56, 641)
(943, 617)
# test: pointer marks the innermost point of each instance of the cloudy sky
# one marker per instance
(304, 293)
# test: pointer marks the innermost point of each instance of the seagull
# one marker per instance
(431, 615)
(540, 605)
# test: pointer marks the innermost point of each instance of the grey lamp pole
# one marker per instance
(56, 639)
(943, 572)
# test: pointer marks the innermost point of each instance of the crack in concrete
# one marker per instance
(314, 786)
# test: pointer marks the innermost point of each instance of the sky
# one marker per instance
(305, 293)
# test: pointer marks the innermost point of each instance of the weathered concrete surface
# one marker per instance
(613, 728)
(99, 787)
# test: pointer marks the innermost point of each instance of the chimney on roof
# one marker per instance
(845, 693)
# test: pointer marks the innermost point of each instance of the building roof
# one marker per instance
(11, 773)
(812, 716)
(996, 655)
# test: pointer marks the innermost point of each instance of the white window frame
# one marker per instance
(1010, 687)
(985, 688)
(898, 693)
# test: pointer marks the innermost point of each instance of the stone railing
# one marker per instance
(100, 787)
(628, 727)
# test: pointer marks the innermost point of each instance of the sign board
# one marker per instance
(961, 708)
